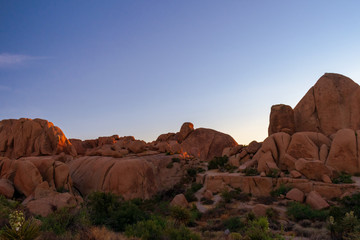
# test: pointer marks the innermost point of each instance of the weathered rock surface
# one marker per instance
(6, 188)
(207, 143)
(281, 119)
(131, 177)
(179, 200)
(26, 137)
(296, 195)
(315, 200)
(330, 105)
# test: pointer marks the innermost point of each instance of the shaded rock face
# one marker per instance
(131, 177)
(331, 104)
(207, 143)
(281, 119)
(27, 173)
(312, 154)
(26, 137)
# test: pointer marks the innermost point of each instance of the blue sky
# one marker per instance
(142, 68)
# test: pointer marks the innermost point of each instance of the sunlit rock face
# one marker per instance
(27, 137)
(332, 104)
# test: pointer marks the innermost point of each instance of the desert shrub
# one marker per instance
(258, 229)
(282, 190)
(346, 227)
(6, 207)
(106, 209)
(298, 211)
(235, 236)
(191, 172)
(273, 173)
(180, 215)
(175, 160)
(180, 233)
(65, 219)
(158, 228)
(229, 196)
(151, 229)
(20, 228)
(272, 214)
(234, 224)
(217, 162)
(251, 172)
(170, 165)
(343, 178)
(351, 203)
(190, 193)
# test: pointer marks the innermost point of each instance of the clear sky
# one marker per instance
(142, 68)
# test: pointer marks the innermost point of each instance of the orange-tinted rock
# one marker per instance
(301, 146)
(26, 178)
(54, 172)
(296, 195)
(326, 107)
(315, 201)
(179, 200)
(131, 177)
(207, 143)
(312, 169)
(326, 179)
(234, 160)
(136, 146)
(281, 119)
(26, 137)
(343, 152)
(253, 147)
(295, 174)
(48, 204)
(185, 130)
(166, 137)
(6, 188)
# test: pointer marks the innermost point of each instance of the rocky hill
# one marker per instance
(310, 150)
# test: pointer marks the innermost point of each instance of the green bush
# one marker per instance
(170, 165)
(234, 224)
(175, 160)
(6, 207)
(282, 190)
(190, 193)
(273, 173)
(218, 162)
(258, 229)
(251, 172)
(158, 228)
(20, 228)
(65, 219)
(346, 228)
(106, 209)
(298, 211)
(191, 172)
(228, 196)
(180, 215)
(343, 178)
(151, 229)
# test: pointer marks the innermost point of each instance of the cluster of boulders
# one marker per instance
(202, 143)
(307, 147)
(31, 176)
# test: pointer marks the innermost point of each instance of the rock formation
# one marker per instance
(26, 137)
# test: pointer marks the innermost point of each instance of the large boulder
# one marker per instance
(131, 177)
(281, 119)
(27, 137)
(185, 130)
(331, 104)
(343, 155)
(207, 143)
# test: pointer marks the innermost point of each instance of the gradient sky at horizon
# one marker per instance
(142, 68)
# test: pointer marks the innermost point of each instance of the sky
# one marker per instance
(142, 68)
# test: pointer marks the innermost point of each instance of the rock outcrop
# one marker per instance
(207, 143)
(131, 177)
(281, 119)
(26, 137)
